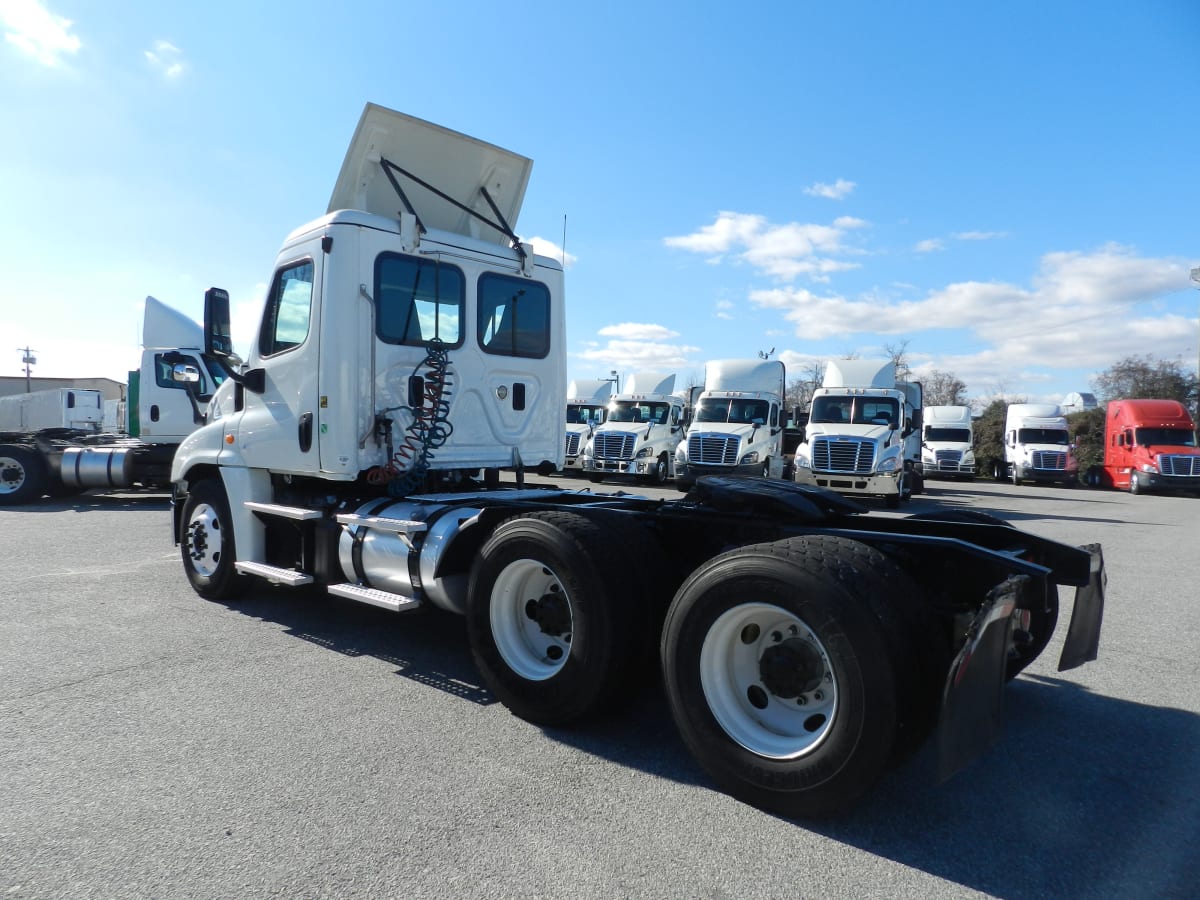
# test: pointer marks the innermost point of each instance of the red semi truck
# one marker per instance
(1150, 445)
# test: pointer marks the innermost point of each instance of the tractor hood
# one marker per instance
(448, 162)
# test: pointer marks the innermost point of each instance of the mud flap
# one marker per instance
(1083, 634)
(972, 705)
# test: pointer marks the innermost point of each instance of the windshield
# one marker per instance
(745, 412)
(639, 411)
(1165, 437)
(958, 435)
(585, 415)
(1042, 436)
(856, 410)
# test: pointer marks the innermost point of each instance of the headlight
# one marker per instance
(1150, 468)
(888, 465)
(969, 456)
(750, 458)
(644, 452)
(802, 462)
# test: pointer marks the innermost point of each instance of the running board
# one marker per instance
(299, 513)
(382, 599)
(398, 526)
(275, 574)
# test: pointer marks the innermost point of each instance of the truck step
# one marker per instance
(298, 513)
(276, 574)
(399, 526)
(382, 599)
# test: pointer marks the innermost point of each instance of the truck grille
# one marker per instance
(948, 459)
(839, 454)
(1179, 465)
(573, 443)
(1050, 459)
(613, 446)
(713, 449)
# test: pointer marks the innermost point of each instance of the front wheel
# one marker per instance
(206, 543)
(783, 683)
(1135, 483)
(658, 476)
(22, 475)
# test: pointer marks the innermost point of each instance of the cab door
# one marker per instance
(277, 426)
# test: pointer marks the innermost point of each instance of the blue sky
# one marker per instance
(1008, 189)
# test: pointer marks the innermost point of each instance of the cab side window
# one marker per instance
(289, 309)
(514, 316)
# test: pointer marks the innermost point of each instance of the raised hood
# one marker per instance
(164, 328)
(453, 163)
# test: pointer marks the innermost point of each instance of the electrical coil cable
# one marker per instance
(429, 429)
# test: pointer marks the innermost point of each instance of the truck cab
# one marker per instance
(587, 408)
(947, 448)
(864, 432)
(644, 425)
(1037, 444)
(1150, 445)
(736, 424)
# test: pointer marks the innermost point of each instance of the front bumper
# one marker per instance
(1167, 483)
(693, 471)
(1029, 473)
(886, 485)
(621, 466)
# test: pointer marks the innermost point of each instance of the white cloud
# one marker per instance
(641, 355)
(543, 247)
(835, 191)
(634, 331)
(37, 32)
(929, 245)
(166, 58)
(1081, 310)
(781, 251)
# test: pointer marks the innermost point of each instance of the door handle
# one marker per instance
(305, 432)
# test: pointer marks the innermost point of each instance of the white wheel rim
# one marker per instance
(204, 540)
(763, 722)
(534, 649)
(12, 475)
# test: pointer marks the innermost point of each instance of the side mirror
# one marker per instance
(218, 340)
(182, 373)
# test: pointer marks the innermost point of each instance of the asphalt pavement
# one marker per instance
(154, 744)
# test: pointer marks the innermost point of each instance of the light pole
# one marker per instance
(30, 360)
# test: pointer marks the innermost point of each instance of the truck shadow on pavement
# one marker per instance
(101, 502)
(1083, 795)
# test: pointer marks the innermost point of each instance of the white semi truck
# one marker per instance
(1037, 445)
(587, 407)
(410, 371)
(864, 433)
(69, 442)
(736, 425)
(644, 425)
(947, 442)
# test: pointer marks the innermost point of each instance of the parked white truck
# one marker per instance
(410, 370)
(65, 443)
(864, 432)
(1037, 445)
(644, 425)
(736, 424)
(947, 443)
(587, 407)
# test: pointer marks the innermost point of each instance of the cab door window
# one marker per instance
(289, 309)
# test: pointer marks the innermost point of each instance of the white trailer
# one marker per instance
(947, 442)
(736, 425)
(587, 407)
(1037, 445)
(409, 372)
(70, 441)
(864, 432)
(644, 425)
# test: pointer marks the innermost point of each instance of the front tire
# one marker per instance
(785, 684)
(207, 545)
(1135, 483)
(552, 616)
(23, 475)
